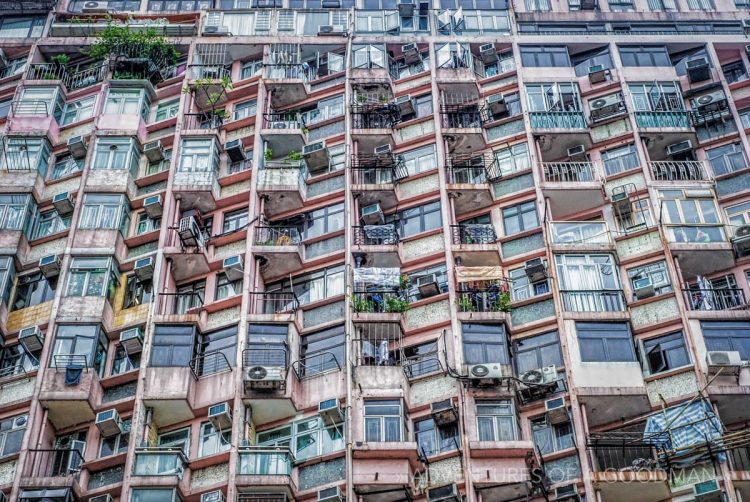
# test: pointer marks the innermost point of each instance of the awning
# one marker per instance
(471, 274)
(386, 277)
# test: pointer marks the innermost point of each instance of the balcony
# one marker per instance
(701, 249)
(679, 170)
(559, 121)
(33, 117)
(208, 82)
(201, 124)
(159, 461)
(499, 469)
(714, 299)
(72, 81)
(70, 390)
(580, 236)
(265, 376)
(289, 82)
(469, 179)
(53, 472)
(599, 300)
(672, 119)
(475, 244)
(284, 133)
(188, 258)
(462, 119)
(491, 299)
(385, 301)
(284, 184)
(280, 249)
(27, 6)
(378, 244)
(571, 187)
(265, 467)
(375, 178)
(197, 189)
(273, 303)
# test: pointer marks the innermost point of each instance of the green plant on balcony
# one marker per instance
(361, 304)
(396, 304)
(361, 98)
(465, 304)
(403, 282)
(294, 155)
(119, 41)
(267, 154)
(60, 60)
(503, 302)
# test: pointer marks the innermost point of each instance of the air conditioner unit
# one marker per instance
(332, 494)
(724, 360)
(216, 31)
(263, 377)
(444, 412)
(708, 491)
(372, 215)
(93, 7)
(497, 106)
(235, 151)
(154, 151)
(99, 498)
(606, 106)
(588, 4)
(63, 203)
(741, 240)
(77, 147)
(597, 74)
(488, 53)
(330, 411)
(698, 69)
(31, 339)
(220, 416)
(316, 154)
(557, 413)
(213, 496)
(233, 267)
(49, 266)
(144, 268)
(643, 288)
(428, 285)
(488, 373)
(332, 30)
(152, 205)
(406, 8)
(535, 269)
(681, 147)
(382, 150)
(132, 340)
(411, 53)
(405, 105)
(541, 376)
(447, 493)
(108, 422)
(710, 102)
(567, 493)
(577, 152)
(621, 201)
(312, 148)
(189, 231)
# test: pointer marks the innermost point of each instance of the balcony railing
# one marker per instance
(159, 461)
(462, 116)
(208, 71)
(277, 236)
(378, 301)
(265, 357)
(46, 71)
(557, 120)
(483, 300)
(622, 451)
(601, 300)
(199, 121)
(569, 172)
(315, 364)
(375, 235)
(211, 363)
(179, 303)
(739, 458)
(291, 71)
(285, 120)
(275, 302)
(715, 299)
(375, 116)
(473, 169)
(679, 170)
(679, 119)
(87, 77)
(416, 367)
(238, 167)
(265, 461)
(474, 233)
(53, 463)
(35, 107)
(580, 232)
(695, 234)
(369, 169)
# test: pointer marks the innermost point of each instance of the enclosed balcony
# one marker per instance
(469, 179)
(273, 303)
(266, 467)
(159, 461)
(702, 249)
(283, 182)
(377, 244)
(601, 300)
(679, 170)
(280, 248)
(284, 134)
(475, 244)
(53, 472)
(580, 236)
(375, 177)
(571, 187)
(463, 116)
(70, 389)
(186, 250)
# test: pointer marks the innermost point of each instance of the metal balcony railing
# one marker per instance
(211, 363)
(265, 357)
(370, 169)
(557, 120)
(238, 167)
(472, 169)
(622, 451)
(315, 364)
(275, 302)
(53, 463)
(289, 71)
(87, 77)
(384, 115)
(378, 301)
(208, 71)
(679, 170)
(159, 461)
(265, 461)
(679, 119)
(569, 172)
(440, 446)
(376, 235)
(202, 120)
(695, 234)
(491, 299)
(283, 120)
(580, 232)
(600, 300)
(277, 236)
(463, 116)
(715, 298)
(72, 361)
(416, 367)
(46, 71)
(262, 497)
(179, 303)
(37, 107)
(474, 233)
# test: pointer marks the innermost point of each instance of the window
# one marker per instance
(433, 439)
(127, 102)
(658, 274)
(76, 111)
(739, 215)
(555, 97)
(540, 56)
(690, 219)
(419, 219)
(77, 343)
(701, 5)
(513, 158)
(485, 343)
(124, 362)
(306, 438)
(644, 55)
(244, 109)
(617, 160)
(662, 5)
(15, 360)
(664, 353)
(226, 288)
(323, 351)
(496, 421)
(32, 289)
(656, 96)
(734, 71)
(137, 292)
(726, 159)
(384, 421)
(189, 296)
(325, 109)
(65, 166)
(49, 223)
(522, 288)
(217, 351)
(199, 155)
(537, 351)
(5, 105)
(146, 224)
(107, 211)
(40, 101)
(438, 273)
(586, 272)
(251, 68)
(116, 153)
(520, 218)
(420, 160)
(27, 154)
(336, 158)
(7, 274)
(315, 286)
(324, 220)
(368, 56)
(21, 27)
(422, 108)
(538, 5)
(235, 220)
(266, 345)
(173, 346)
(605, 342)
(549, 438)
(116, 444)
(729, 336)
(179, 438)
(91, 276)
(421, 359)
(155, 494)
(167, 110)
(12, 430)
(213, 441)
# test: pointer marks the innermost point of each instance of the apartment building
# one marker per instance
(374, 250)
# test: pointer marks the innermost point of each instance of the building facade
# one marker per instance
(374, 250)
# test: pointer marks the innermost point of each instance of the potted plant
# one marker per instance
(60, 60)
(465, 304)
(396, 304)
(294, 155)
(267, 154)
(360, 304)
